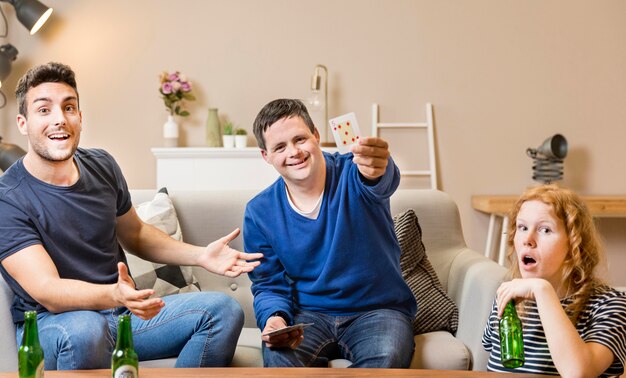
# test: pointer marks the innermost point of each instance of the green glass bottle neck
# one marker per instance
(124, 333)
(31, 334)
(509, 309)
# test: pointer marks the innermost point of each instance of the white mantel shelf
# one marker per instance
(213, 168)
(205, 152)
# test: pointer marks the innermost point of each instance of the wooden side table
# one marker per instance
(498, 206)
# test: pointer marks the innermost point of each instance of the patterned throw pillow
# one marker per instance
(435, 309)
(164, 279)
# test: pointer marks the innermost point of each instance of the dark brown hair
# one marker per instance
(277, 110)
(51, 72)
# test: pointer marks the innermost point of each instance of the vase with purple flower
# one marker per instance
(174, 89)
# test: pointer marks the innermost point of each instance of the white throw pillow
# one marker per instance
(164, 279)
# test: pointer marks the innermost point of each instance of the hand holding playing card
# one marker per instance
(346, 131)
(371, 155)
(276, 334)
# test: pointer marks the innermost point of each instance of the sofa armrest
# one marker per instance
(428, 352)
(8, 345)
(472, 284)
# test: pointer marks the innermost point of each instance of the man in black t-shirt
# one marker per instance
(65, 211)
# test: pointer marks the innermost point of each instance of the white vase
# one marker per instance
(228, 141)
(241, 141)
(170, 132)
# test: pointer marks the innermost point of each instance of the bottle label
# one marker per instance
(39, 372)
(125, 371)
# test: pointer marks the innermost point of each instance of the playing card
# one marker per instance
(287, 329)
(346, 131)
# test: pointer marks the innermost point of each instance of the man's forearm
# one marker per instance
(35, 272)
(155, 245)
(70, 295)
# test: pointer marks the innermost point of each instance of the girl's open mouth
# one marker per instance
(527, 261)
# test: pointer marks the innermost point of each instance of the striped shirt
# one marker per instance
(603, 321)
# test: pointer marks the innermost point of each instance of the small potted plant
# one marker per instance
(241, 138)
(228, 138)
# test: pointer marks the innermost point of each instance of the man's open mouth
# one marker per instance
(59, 136)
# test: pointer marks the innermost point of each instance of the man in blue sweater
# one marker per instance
(331, 257)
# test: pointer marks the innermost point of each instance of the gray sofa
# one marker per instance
(469, 278)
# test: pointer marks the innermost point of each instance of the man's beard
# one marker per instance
(42, 151)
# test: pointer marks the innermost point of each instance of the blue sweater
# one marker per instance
(344, 262)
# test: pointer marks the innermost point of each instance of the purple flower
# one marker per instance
(175, 89)
(166, 88)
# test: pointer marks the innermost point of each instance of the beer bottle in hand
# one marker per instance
(511, 342)
(124, 361)
(30, 354)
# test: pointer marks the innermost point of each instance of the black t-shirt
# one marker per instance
(75, 224)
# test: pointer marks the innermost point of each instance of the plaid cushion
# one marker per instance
(435, 309)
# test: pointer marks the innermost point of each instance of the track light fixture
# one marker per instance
(31, 13)
(8, 53)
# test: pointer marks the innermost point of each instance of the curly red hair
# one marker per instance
(585, 248)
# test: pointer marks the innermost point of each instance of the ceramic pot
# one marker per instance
(229, 141)
(241, 141)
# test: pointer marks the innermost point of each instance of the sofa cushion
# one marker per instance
(163, 279)
(435, 309)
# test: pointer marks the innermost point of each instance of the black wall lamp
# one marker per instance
(32, 14)
(8, 53)
(548, 159)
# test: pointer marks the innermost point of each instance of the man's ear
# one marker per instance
(22, 124)
(317, 135)
(264, 154)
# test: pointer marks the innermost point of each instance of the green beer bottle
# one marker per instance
(511, 338)
(124, 361)
(30, 354)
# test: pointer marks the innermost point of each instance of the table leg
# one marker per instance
(490, 236)
(503, 237)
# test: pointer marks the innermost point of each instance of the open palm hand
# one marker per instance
(220, 258)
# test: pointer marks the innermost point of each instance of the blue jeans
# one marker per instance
(374, 339)
(200, 328)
